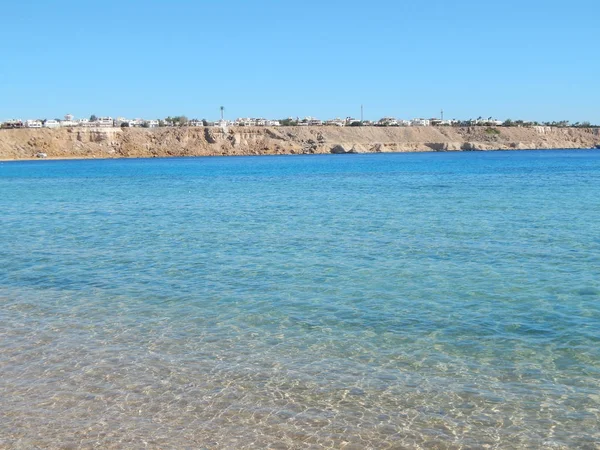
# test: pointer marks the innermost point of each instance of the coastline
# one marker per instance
(100, 158)
(109, 143)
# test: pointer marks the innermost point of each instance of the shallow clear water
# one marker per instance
(435, 300)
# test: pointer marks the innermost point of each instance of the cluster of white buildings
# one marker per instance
(121, 121)
(348, 121)
(383, 122)
(70, 121)
(109, 122)
(488, 121)
(252, 122)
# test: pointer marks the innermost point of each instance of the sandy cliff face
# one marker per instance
(139, 142)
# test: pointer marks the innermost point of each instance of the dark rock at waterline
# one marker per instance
(338, 149)
(442, 146)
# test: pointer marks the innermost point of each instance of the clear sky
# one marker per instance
(526, 59)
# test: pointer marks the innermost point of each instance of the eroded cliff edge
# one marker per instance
(164, 142)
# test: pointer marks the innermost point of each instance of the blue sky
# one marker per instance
(535, 60)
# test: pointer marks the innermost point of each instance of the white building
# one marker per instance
(420, 123)
(123, 122)
(12, 123)
(84, 123)
(388, 122)
(310, 122)
(273, 123)
(244, 122)
(488, 121)
(105, 122)
(51, 123)
(151, 123)
(33, 124)
(137, 123)
(336, 122)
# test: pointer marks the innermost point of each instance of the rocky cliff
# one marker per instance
(160, 142)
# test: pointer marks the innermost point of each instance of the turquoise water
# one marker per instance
(433, 300)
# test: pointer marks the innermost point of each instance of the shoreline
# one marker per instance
(108, 158)
(116, 143)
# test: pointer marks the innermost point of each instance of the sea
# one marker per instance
(359, 301)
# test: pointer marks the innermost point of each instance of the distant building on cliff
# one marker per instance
(83, 123)
(104, 122)
(387, 122)
(12, 123)
(252, 122)
(33, 124)
(243, 122)
(336, 122)
(51, 123)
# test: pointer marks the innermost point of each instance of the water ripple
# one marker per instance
(383, 301)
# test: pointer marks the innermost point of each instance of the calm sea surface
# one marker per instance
(433, 300)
